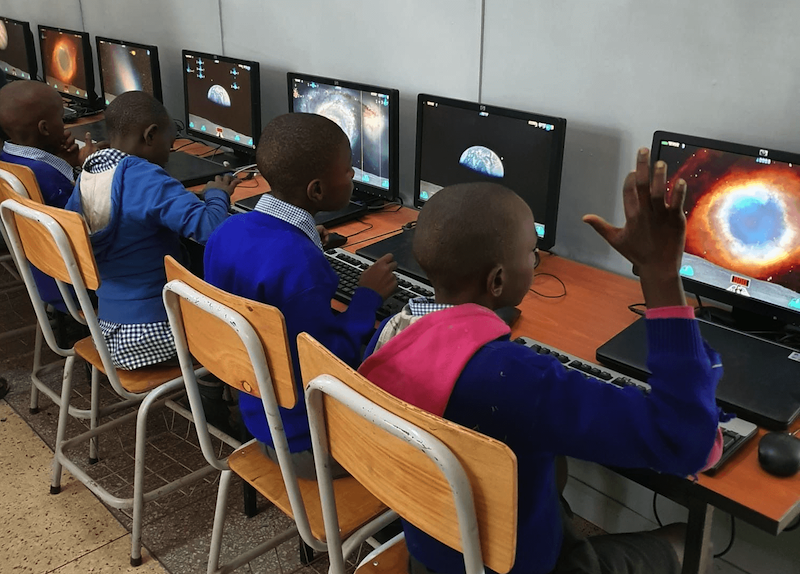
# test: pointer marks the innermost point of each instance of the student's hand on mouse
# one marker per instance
(654, 233)
(380, 277)
(89, 148)
(226, 183)
(323, 233)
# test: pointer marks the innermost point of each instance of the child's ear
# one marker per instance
(495, 281)
(314, 190)
(42, 128)
(149, 133)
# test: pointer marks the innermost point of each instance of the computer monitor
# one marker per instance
(126, 67)
(223, 100)
(742, 222)
(368, 115)
(464, 142)
(17, 52)
(67, 62)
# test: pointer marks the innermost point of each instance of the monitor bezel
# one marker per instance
(255, 102)
(360, 188)
(30, 47)
(718, 294)
(91, 96)
(550, 219)
(155, 66)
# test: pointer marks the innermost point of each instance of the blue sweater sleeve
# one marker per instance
(170, 205)
(548, 408)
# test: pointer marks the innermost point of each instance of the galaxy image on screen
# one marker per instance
(459, 145)
(362, 115)
(743, 219)
(124, 69)
(13, 50)
(63, 60)
(219, 98)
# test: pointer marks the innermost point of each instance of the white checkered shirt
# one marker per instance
(420, 306)
(40, 155)
(291, 214)
(103, 160)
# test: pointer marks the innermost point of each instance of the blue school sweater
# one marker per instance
(542, 410)
(150, 212)
(266, 259)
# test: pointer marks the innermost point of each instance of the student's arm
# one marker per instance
(172, 206)
(344, 334)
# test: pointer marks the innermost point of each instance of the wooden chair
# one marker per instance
(457, 485)
(19, 181)
(244, 343)
(57, 242)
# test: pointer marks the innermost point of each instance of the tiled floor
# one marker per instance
(73, 531)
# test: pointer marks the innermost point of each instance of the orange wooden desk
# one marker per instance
(595, 309)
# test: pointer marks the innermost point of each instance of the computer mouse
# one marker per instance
(779, 453)
(335, 240)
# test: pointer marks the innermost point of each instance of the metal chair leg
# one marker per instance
(63, 413)
(94, 442)
(219, 521)
(37, 365)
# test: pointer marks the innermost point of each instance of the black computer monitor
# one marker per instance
(17, 52)
(67, 62)
(126, 67)
(464, 142)
(223, 100)
(368, 115)
(743, 222)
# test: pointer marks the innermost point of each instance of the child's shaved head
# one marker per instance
(25, 103)
(465, 230)
(295, 149)
(132, 112)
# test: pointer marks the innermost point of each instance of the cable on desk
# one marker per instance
(248, 168)
(634, 308)
(393, 231)
(180, 147)
(179, 125)
(362, 231)
(655, 509)
(559, 296)
(382, 208)
(731, 541)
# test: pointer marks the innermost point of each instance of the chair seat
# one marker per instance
(355, 504)
(137, 381)
(391, 559)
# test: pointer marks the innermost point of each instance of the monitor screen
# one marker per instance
(369, 117)
(464, 142)
(127, 67)
(17, 54)
(67, 62)
(223, 101)
(742, 222)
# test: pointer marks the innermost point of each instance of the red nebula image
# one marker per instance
(743, 216)
(64, 60)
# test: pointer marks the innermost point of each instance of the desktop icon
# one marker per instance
(687, 271)
(795, 303)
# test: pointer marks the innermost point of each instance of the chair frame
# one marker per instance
(177, 291)
(161, 395)
(327, 385)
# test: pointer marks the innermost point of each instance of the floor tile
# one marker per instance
(112, 558)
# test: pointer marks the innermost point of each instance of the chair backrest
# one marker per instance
(217, 345)
(17, 176)
(400, 454)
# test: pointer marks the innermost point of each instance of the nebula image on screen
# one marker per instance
(363, 116)
(3, 36)
(743, 214)
(63, 59)
(124, 69)
(483, 160)
(14, 57)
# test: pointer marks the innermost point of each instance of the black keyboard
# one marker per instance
(349, 267)
(735, 433)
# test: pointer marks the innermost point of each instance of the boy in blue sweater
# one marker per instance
(476, 244)
(274, 255)
(136, 214)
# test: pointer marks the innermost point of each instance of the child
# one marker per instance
(274, 255)
(31, 115)
(136, 215)
(452, 356)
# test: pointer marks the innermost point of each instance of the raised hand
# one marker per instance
(654, 233)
